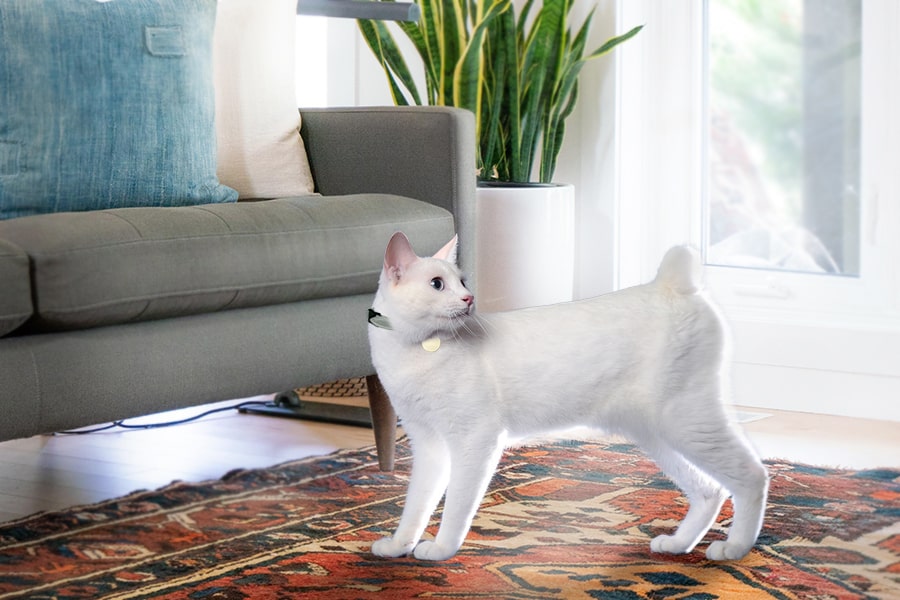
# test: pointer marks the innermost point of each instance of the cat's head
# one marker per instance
(423, 296)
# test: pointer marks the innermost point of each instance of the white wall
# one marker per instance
(588, 158)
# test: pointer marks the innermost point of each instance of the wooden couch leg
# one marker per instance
(384, 421)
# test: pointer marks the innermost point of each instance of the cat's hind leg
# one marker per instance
(427, 483)
(726, 456)
(704, 495)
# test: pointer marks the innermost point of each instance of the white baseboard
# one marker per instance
(856, 395)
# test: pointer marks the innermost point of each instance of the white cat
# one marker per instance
(647, 362)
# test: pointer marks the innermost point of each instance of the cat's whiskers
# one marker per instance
(455, 324)
(482, 323)
(471, 324)
(458, 329)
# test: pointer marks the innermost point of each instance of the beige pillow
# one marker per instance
(260, 153)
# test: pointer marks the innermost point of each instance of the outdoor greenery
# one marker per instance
(756, 81)
(784, 133)
(517, 73)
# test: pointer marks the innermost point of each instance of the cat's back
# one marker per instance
(639, 323)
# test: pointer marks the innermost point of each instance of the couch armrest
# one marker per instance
(423, 152)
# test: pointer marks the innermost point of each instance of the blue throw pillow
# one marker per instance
(106, 104)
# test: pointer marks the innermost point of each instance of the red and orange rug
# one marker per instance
(565, 520)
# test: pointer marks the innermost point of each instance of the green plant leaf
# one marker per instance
(453, 41)
(543, 58)
(384, 47)
(415, 34)
(553, 137)
(615, 41)
(563, 101)
(467, 78)
(430, 27)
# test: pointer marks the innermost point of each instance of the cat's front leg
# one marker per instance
(427, 483)
(472, 464)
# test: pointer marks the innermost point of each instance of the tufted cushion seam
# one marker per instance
(199, 292)
(221, 234)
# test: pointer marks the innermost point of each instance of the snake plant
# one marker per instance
(518, 74)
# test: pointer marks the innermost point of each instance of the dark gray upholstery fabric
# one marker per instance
(125, 265)
(76, 378)
(20, 394)
(370, 149)
(15, 287)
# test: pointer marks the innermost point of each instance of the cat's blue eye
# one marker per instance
(437, 283)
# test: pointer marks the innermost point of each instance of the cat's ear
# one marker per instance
(448, 252)
(398, 256)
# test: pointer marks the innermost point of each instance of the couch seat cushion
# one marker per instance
(15, 287)
(133, 264)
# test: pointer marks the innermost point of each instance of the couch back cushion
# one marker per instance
(106, 104)
(134, 264)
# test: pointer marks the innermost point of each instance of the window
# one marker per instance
(783, 142)
(780, 163)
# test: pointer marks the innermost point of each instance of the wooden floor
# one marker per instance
(56, 472)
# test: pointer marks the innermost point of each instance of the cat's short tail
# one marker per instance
(680, 270)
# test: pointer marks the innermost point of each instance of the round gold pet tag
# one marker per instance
(431, 344)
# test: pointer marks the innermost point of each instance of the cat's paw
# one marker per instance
(727, 551)
(669, 544)
(390, 548)
(429, 550)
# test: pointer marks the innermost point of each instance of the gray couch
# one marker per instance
(112, 314)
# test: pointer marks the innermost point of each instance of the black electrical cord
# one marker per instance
(121, 424)
(112, 425)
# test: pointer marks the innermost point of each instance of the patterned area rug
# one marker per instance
(566, 520)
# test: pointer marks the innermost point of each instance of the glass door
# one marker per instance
(797, 134)
(766, 134)
(783, 142)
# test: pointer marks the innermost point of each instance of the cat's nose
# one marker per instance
(469, 299)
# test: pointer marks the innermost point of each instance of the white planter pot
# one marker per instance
(526, 246)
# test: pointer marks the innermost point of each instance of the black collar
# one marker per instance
(379, 320)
